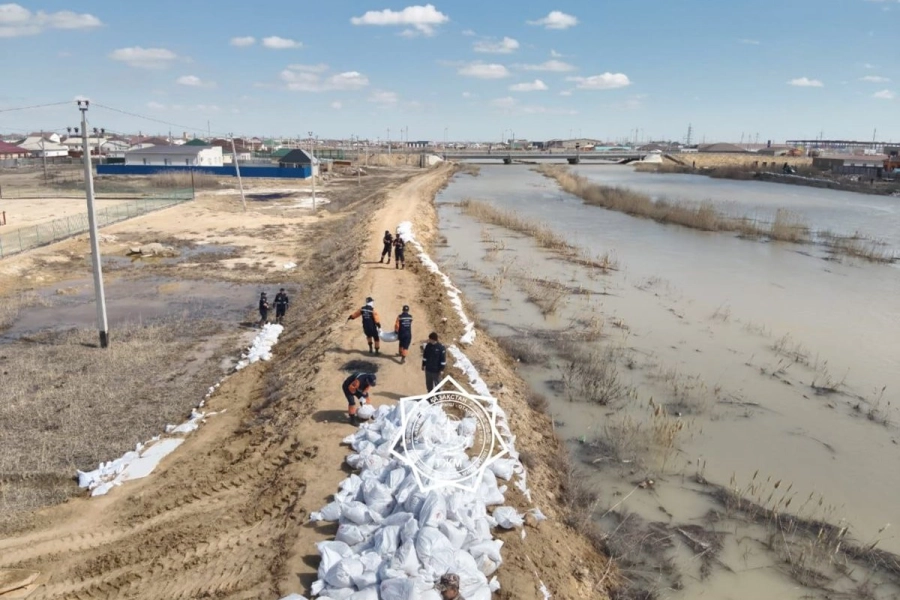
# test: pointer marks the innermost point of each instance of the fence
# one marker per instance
(246, 171)
(27, 238)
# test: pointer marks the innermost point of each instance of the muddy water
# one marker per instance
(730, 336)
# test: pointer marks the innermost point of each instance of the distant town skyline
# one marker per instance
(458, 71)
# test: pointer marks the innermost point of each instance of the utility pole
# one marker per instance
(102, 324)
(687, 140)
(389, 140)
(44, 155)
(312, 172)
(358, 164)
(237, 171)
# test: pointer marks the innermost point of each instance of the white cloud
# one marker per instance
(554, 66)
(384, 98)
(305, 81)
(869, 66)
(279, 43)
(566, 93)
(468, 32)
(874, 79)
(156, 106)
(336, 105)
(749, 42)
(805, 82)
(556, 20)
(243, 42)
(507, 102)
(481, 70)
(467, 95)
(535, 86)
(505, 46)
(555, 54)
(319, 68)
(884, 95)
(16, 21)
(144, 58)
(605, 81)
(422, 19)
(194, 81)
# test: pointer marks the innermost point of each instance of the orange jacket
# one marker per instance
(374, 315)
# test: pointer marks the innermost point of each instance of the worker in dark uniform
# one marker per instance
(434, 361)
(281, 305)
(356, 387)
(403, 327)
(371, 324)
(263, 309)
(449, 587)
(388, 242)
(399, 247)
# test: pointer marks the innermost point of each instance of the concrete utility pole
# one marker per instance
(358, 165)
(237, 171)
(102, 324)
(44, 155)
(312, 167)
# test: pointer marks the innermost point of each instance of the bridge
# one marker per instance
(573, 158)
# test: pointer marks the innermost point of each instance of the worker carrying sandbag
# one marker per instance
(356, 387)
(371, 324)
(388, 246)
(403, 328)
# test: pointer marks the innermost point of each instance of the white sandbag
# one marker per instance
(457, 534)
(433, 511)
(331, 512)
(503, 468)
(494, 584)
(369, 593)
(487, 566)
(394, 478)
(434, 550)
(398, 589)
(488, 491)
(507, 517)
(332, 553)
(389, 336)
(386, 540)
(365, 412)
(341, 575)
(336, 593)
(406, 560)
(489, 548)
(378, 497)
(356, 512)
(351, 534)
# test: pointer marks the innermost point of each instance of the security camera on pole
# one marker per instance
(102, 324)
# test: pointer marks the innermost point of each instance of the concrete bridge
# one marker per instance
(573, 158)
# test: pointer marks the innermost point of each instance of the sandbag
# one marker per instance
(389, 336)
(507, 517)
(433, 511)
(341, 575)
(366, 412)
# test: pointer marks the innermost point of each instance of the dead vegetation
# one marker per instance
(12, 306)
(64, 406)
(544, 236)
(787, 226)
(184, 180)
(592, 375)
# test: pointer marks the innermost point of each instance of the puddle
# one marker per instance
(70, 304)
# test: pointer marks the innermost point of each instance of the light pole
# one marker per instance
(358, 164)
(102, 323)
(389, 140)
(312, 167)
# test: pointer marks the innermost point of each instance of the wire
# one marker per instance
(3, 110)
(146, 118)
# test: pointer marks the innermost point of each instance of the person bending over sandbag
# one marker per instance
(356, 387)
(371, 324)
(403, 328)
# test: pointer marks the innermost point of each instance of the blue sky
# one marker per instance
(479, 70)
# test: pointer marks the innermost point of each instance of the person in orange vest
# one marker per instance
(356, 387)
(403, 327)
(371, 324)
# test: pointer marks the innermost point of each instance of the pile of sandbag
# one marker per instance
(395, 540)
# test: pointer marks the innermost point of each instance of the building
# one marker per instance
(9, 151)
(845, 164)
(299, 158)
(41, 147)
(176, 156)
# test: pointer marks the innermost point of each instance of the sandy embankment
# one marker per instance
(703, 160)
(227, 515)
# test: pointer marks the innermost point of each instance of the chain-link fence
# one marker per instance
(46, 233)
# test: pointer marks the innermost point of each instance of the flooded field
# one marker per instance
(735, 402)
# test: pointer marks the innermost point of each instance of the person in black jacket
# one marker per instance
(399, 247)
(281, 305)
(388, 242)
(403, 327)
(263, 309)
(371, 324)
(356, 387)
(434, 361)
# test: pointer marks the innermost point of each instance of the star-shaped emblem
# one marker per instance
(458, 467)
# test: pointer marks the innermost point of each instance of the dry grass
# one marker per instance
(547, 296)
(66, 405)
(544, 236)
(12, 306)
(470, 169)
(859, 246)
(183, 180)
(526, 349)
(593, 376)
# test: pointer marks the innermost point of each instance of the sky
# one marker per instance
(460, 70)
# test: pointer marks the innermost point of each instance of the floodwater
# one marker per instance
(740, 341)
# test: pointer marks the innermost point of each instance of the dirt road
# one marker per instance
(227, 515)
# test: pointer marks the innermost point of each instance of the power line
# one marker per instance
(160, 121)
(3, 110)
